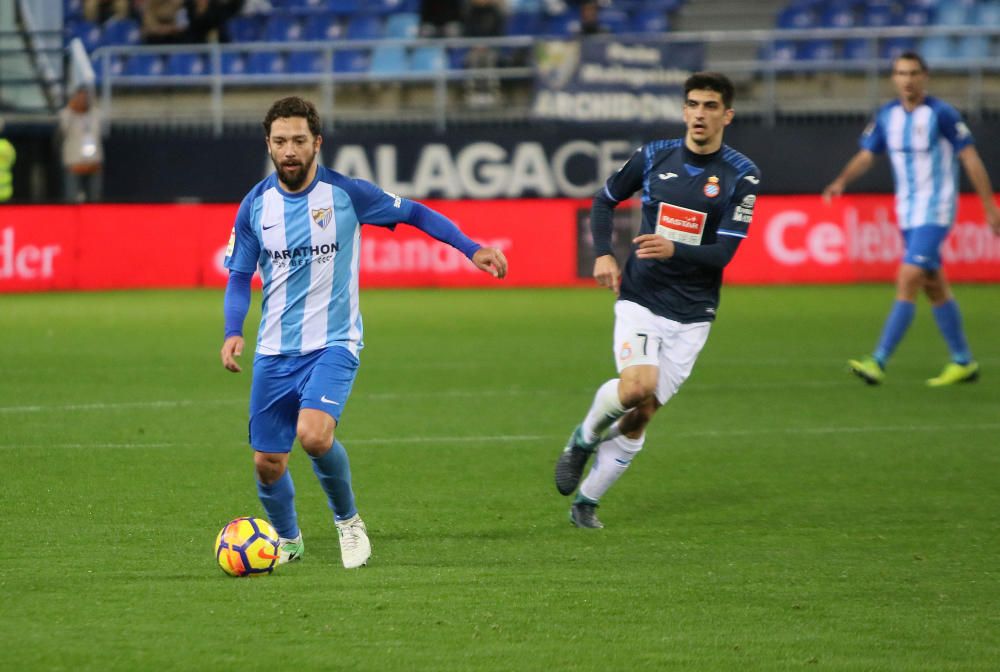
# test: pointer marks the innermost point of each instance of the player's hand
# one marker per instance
(606, 272)
(834, 189)
(491, 260)
(993, 219)
(232, 348)
(653, 246)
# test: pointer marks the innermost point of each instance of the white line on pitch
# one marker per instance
(390, 396)
(499, 438)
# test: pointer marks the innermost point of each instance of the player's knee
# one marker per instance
(636, 391)
(315, 440)
(269, 467)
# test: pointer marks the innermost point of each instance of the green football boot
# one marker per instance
(867, 369)
(954, 372)
(290, 550)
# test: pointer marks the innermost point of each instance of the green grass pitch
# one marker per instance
(782, 515)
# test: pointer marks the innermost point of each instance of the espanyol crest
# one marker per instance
(711, 188)
(322, 217)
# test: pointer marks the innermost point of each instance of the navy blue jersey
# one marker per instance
(704, 203)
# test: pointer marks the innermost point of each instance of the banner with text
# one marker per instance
(601, 80)
(793, 239)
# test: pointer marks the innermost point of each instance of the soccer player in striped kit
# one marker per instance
(698, 197)
(301, 226)
(926, 139)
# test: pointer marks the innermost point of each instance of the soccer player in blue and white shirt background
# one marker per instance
(301, 226)
(698, 197)
(925, 139)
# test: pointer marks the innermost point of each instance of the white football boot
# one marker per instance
(355, 549)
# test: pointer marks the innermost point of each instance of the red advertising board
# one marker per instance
(801, 239)
(793, 239)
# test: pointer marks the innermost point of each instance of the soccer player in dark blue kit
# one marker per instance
(697, 202)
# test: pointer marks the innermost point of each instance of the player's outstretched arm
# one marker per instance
(980, 180)
(855, 168)
(491, 260)
(231, 349)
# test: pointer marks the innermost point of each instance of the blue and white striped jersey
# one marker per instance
(308, 248)
(923, 147)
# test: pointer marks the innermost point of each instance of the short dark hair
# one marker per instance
(293, 106)
(911, 56)
(713, 81)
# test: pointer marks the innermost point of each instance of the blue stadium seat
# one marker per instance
(915, 15)
(796, 17)
(364, 27)
(88, 33)
(116, 64)
(937, 48)
(144, 65)
(234, 63)
(878, 16)
(894, 46)
(344, 7)
(976, 47)
(783, 51)
(456, 57)
(524, 23)
(351, 60)
(427, 59)
(815, 50)
(301, 6)
(988, 13)
(562, 25)
(838, 16)
(389, 59)
(266, 63)
(952, 13)
(72, 10)
(514, 6)
(650, 21)
(244, 28)
(184, 65)
(306, 62)
(662, 5)
(402, 26)
(388, 7)
(858, 49)
(614, 20)
(120, 32)
(283, 28)
(322, 26)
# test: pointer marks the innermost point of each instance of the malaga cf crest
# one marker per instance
(322, 217)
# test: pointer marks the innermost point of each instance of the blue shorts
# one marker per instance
(923, 246)
(283, 384)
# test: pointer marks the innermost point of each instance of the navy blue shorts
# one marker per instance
(283, 384)
(923, 246)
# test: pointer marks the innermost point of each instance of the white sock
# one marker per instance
(603, 412)
(611, 459)
(614, 431)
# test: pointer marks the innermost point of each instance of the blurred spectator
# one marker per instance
(82, 153)
(163, 22)
(207, 19)
(483, 18)
(590, 23)
(440, 18)
(99, 11)
(7, 158)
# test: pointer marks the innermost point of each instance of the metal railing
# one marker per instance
(769, 84)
